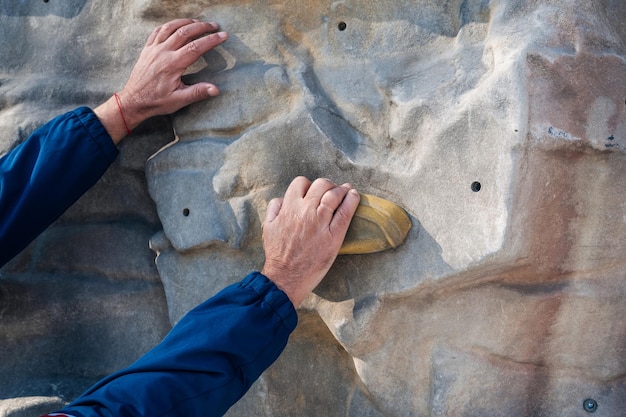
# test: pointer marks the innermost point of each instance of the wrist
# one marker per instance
(119, 116)
(109, 115)
(119, 106)
(133, 111)
(284, 283)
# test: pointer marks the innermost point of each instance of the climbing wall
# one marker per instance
(499, 126)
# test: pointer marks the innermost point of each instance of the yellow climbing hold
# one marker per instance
(377, 225)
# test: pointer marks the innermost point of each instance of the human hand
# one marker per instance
(303, 232)
(155, 86)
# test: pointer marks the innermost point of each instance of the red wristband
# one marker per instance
(119, 106)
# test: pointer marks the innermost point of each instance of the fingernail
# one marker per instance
(222, 35)
(353, 191)
(212, 90)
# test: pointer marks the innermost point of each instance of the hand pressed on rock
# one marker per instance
(155, 86)
(303, 232)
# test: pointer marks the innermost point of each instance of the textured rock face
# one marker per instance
(85, 299)
(499, 126)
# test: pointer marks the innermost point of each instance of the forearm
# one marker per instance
(207, 362)
(47, 173)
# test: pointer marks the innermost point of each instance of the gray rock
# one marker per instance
(499, 126)
(61, 332)
(29, 406)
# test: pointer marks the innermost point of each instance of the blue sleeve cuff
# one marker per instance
(274, 296)
(97, 133)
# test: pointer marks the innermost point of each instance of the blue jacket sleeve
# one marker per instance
(47, 173)
(206, 363)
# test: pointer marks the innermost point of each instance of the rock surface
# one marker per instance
(500, 127)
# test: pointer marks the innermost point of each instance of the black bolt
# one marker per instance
(186, 212)
(590, 405)
(342, 26)
(476, 186)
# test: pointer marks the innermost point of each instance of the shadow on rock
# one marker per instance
(67, 8)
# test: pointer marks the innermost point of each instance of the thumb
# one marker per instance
(273, 208)
(196, 92)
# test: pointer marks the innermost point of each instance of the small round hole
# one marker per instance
(45, 1)
(476, 186)
(590, 405)
(186, 212)
(342, 26)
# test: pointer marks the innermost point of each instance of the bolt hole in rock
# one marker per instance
(590, 405)
(342, 26)
(186, 212)
(476, 186)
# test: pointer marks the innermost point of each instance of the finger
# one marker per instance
(344, 213)
(297, 189)
(330, 201)
(186, 33)
(163, 32)
(192, 93)
(189, 53)
(273, 208)
(318, 188)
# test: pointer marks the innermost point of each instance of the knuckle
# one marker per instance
(182, 32)
(331, 196)
(323, 183)
(343, 217)
(193, 47)
(323, 180)
(198, 94)
(301, 179)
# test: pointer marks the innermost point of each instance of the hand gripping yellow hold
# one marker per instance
(377, 225)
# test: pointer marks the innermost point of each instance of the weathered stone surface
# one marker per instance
(100, 249)
(29, 406)
(60, 333)
(335, 390)
(84, 299)
(500, 127)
